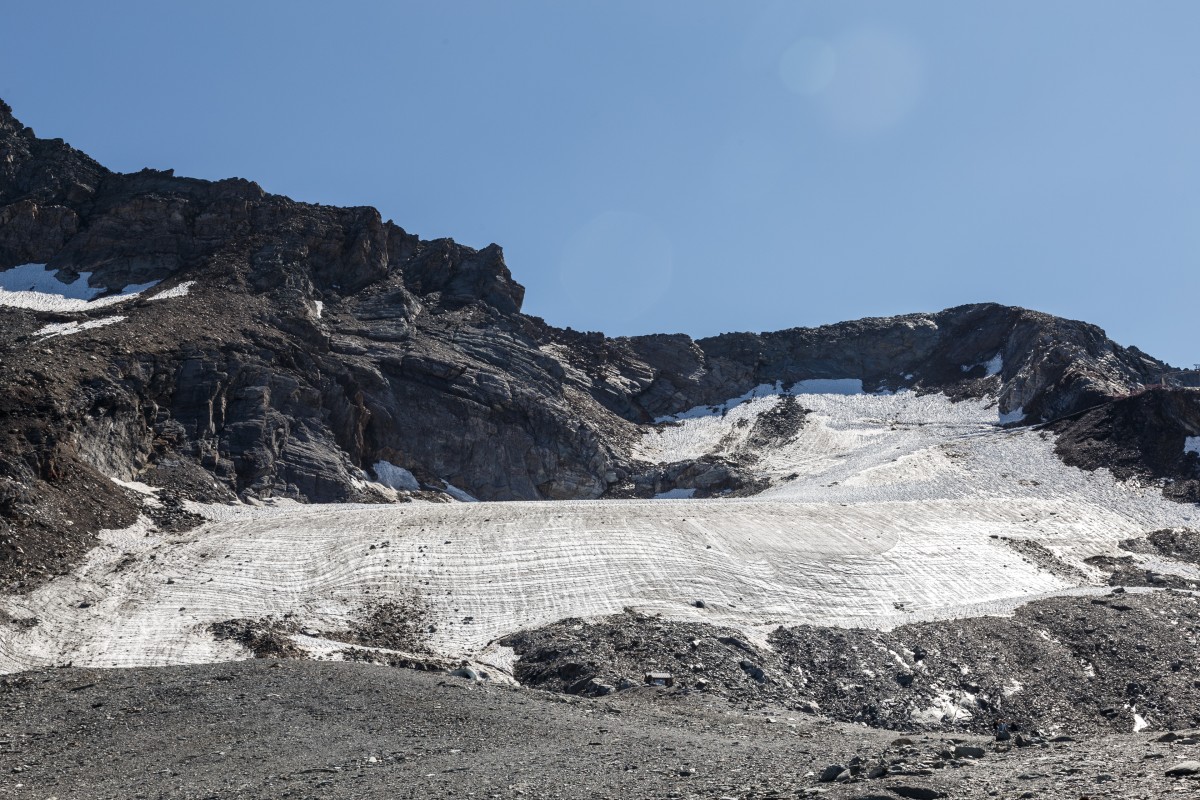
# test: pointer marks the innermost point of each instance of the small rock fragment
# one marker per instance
(830, 773)
(1183, 769)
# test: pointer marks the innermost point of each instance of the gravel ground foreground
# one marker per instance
(272, 729)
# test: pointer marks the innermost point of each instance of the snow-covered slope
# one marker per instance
(885, 509)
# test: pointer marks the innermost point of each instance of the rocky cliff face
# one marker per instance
(296, 346)
(1144, 436)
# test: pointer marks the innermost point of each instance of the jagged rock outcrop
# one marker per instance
(1141, 436)
(1042, 364)
(314, 342)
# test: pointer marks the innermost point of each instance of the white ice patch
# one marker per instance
(720, 409)
(175, 291)
(1192, 445)
(320, 306)
(149, 493)
(395, 477)
(458, 494)
(1016, 415)
(991, 367)
(675, 494)
(139, 487)
(68, 328)
(837, 426)
(35, 287)
(838, 386)
(945, 709)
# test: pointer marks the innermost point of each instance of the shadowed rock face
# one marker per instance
(1141, 436)
(315, 342)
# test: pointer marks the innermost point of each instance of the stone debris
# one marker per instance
(1084, 663)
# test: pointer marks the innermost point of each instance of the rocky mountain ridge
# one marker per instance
(298, 347)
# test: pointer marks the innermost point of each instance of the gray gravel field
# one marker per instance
(302, 729)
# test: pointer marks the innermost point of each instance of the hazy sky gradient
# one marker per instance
(686, 166)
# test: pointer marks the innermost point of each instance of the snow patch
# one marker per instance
(395, 477)
(1139, 723)
(675, 494)
(458, 494)
(148, 493)
(838, 386)
(991, 367)
(68, 328)
(320, 308)
(720, 409)
(1016, 415)
(945, 709)
(139, 487)
(35, 287)
(1192, 445)
(175, 291)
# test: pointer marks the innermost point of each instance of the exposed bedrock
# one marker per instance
(1041, 364)
(1145, 436)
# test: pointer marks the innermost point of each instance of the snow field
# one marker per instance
(890, 520)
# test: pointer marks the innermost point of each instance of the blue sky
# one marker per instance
(686, 166)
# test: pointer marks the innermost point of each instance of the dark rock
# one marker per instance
(1124, 571)
(1139, 436)
(831, 773)
(1184, 769)
(916, 792)
(265, 638)
(1178, 544)
(754, 670)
